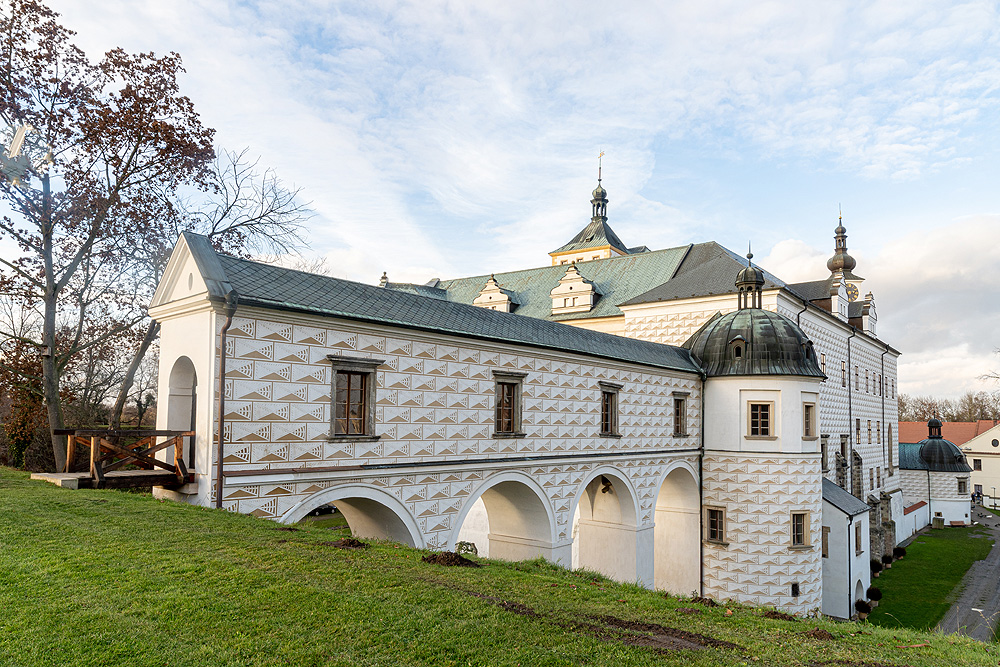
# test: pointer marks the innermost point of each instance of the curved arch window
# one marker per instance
(738, 348)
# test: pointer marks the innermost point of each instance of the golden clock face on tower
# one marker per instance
(852, 292)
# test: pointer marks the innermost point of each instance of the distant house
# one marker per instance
(935, 479)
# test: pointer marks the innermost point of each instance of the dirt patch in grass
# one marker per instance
(507, 605)
(778, 616)
(288, 529)
(819, 633)
(652, 635)
(347, 543)
(449, 559)
(688, 610)
(708, 602)
(854, 663)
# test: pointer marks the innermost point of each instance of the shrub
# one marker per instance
(862, 607)
(874, 593)
(876, 566)
(898, 552)
(887, 559)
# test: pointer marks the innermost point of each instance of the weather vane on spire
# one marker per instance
(599, 166)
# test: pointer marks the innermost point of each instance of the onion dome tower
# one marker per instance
(841, 262)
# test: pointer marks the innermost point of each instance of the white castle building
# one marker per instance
(700, 427)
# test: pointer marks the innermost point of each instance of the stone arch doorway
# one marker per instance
(370, 513)
(604, 527)
(182, 408)
(509, 518)
(676, 536)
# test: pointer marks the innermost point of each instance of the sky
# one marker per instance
(450, 138)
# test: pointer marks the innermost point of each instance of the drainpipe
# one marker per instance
(701, 498)
(850, 405)
(798, 315)
(232, 299)
(850, 558)
(930, 507)
(886, 445)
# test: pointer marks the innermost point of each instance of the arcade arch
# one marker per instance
(508, 517)
(182, 402)
(370, 512)
(677, 536)
(604, 526)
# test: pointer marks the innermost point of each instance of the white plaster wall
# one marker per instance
(844, 568)
(910, 523)
(981, 447)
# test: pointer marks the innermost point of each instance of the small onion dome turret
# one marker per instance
(600, 192)
(940, 455)
(751, 341)
(750, 276)
(841, 261)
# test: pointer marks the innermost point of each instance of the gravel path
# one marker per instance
(977, 611)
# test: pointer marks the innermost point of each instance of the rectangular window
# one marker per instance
(963, 487)
(858, 550)
(822, 364)
(715, 525)
(680, 416)
(354, 384)
(888, 441)
(977, 464)
(824, 454)
(878, 476)
(826, 541)
(866, 382)
(878, 433)
(351, 404)
(800, 529)
(871, 479)
(843, 373)
(808, 420)
(609, 408)
(760, 420)
(978, 488)
(857, 381)
(508, 404)
(857, 431)
(869, 431)
(879, 384)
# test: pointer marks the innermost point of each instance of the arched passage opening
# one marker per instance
(604, 528)
(676, 535)
(182, 412)
(509, 520)
(370, 513)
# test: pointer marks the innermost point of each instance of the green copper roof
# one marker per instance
(616, 280)
(278, 288)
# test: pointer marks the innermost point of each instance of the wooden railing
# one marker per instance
(112, 450)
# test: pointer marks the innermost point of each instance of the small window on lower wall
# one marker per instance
(354, 384)
(680, 414)
(715, 525)
(800, 529)
(759, 418)
(963, 487)
(507, 404)
(858, 546)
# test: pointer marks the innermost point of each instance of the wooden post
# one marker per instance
(96, 469)
(70, 453)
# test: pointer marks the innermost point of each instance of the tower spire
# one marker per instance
(749, 284)
(599, 164)
(841, 260)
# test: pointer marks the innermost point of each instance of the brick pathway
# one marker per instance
(977, 610)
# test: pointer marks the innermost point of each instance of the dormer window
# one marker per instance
(573, 294)
(494, 297)
(738, 348)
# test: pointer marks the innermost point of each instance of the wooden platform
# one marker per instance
(118, 479)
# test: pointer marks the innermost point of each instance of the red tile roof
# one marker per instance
(914, 507)
(958, 432)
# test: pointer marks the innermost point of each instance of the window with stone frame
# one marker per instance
(759, 417)
(859, 547)
(857, 430)
(680, 414)
(963, 487)
(507, 402)
(869, 431)
(609, 409)
(878, 433)
(824, 453)
(808, 420)
(857, 380)
(843, 373)
(977, 464)
(715, 525)
(888, 442)
(822, 364)
(800, 529)
(353, 387)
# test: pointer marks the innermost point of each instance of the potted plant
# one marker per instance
(863, 609)
(887, 561)
(898, 552)
(874, 595)
(876, 566)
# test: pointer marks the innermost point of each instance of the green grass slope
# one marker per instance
(109, 578)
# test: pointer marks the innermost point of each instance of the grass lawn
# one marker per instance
(919, 589)
(110, 578)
